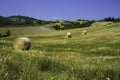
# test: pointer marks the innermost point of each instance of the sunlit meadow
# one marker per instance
(95, 56)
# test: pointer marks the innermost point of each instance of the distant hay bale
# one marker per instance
(84, 32)
(22, 43)
(68, 35)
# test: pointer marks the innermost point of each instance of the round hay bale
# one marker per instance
(84, 32)
(68, 35)
(22, 43)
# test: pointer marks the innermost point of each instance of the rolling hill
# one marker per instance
(95, 56)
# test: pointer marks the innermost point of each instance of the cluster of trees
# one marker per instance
(61, 25)
(111, 19)
(8, 33)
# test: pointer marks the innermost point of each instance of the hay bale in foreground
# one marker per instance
(22, 43)
(68, 35)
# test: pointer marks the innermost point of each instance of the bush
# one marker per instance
(58, 26)
(8, 33)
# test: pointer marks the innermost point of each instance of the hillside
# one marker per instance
(95, 56)
(49, 27)
(16, 31)
(20, 20)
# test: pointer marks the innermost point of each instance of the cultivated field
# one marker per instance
(95, 56)
(24, 30)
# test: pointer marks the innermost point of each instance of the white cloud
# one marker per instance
(56, 18)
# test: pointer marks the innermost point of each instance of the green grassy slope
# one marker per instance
(16, 31)
(95, 56)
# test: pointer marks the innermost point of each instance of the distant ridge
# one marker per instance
(19, 20)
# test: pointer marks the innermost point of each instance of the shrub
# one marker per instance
(8, 33)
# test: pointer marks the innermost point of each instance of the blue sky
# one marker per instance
(61, 9)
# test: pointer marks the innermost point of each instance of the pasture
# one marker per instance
(15, 31)
(95, 56)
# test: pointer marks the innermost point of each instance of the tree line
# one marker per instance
(111, 19)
